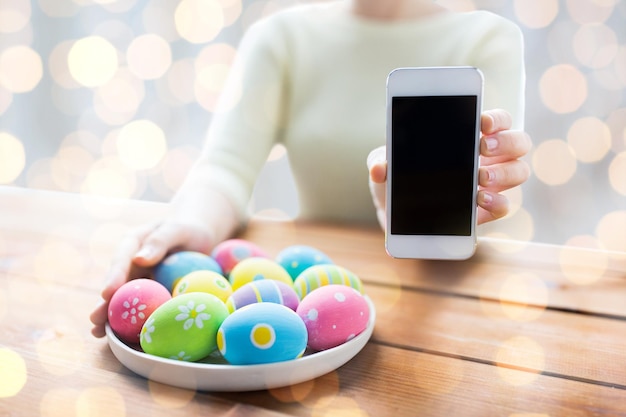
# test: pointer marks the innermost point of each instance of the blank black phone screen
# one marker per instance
(432, 167)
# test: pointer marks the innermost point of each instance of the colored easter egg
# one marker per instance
(232, 251)
(262, 333)
(204, 281)
(333, 314)
(297, 258)
(185, 327)
(179, 264)
(319, 275)
(256, 268)
(265, 290)
(132, 304)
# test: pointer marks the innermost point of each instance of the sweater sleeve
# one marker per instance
(499, 52)
(248, 120)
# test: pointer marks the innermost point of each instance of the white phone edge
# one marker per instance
(440, 81)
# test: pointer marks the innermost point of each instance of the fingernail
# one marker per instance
(145, 253)
(491, 143)
(487, 198)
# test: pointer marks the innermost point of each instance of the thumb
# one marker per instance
(377, 166)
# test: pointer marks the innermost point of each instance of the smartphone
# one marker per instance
(433, 145)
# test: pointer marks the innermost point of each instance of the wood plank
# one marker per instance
(551, 342)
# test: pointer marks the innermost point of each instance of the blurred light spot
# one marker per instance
(69, 167)
(199, 21)
(520, 352)
(58, 65)
(168, 396)
(617, 174)
(620, 65)
(149, 56)
(3, 298)
(536, 13)
(141, 144)
(581, 265)
(60, 350)
(212, 68)
(59, 402)
(6, 98)
(518, 226)
(39, 175)
(339, 406)
(92, 61)
(116, 102)
(293, 393)
(59, 262)
(595, 45)
(554, 162)
(14, 15)
(116, 6)
(20, 69)
(563, 88)
(156, 17)
(610, 231)
(180, 81)
(12, 158)
(100, 402)
(590, 11)
(590, 139)
(109, 178)
(232, 10)
(56, 8)
(13, 373)
(523, 297)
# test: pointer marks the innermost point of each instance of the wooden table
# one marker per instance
(519, 330)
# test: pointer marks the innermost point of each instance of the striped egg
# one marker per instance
(263, 291)
(320, 275)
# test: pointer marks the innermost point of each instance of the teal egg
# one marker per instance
(296, 258)
(175, 266)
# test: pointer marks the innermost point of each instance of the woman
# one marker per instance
(313, 77)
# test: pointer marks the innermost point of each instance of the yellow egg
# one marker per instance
(256, 268)
(204, 281)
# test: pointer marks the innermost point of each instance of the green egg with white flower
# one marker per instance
(185, 327)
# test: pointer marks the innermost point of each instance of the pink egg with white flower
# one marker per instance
(132, 304)
(333, 314)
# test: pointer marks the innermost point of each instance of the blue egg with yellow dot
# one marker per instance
(297, 258)
(262, 333)
(175, 266)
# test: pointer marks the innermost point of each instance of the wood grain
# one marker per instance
(521, 329)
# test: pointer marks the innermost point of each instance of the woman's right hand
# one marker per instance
(141, 250)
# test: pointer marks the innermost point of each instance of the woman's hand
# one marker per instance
(140, 251)
(500, 167)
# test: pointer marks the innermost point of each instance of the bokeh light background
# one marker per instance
(114, 97)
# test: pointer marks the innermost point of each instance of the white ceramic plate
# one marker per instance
(223, 377)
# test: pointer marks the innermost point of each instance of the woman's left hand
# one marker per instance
(500, 167)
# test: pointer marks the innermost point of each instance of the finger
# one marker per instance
(492, 121)
(499, 177)
(377, 164)
(491, 206)
(504, 146)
